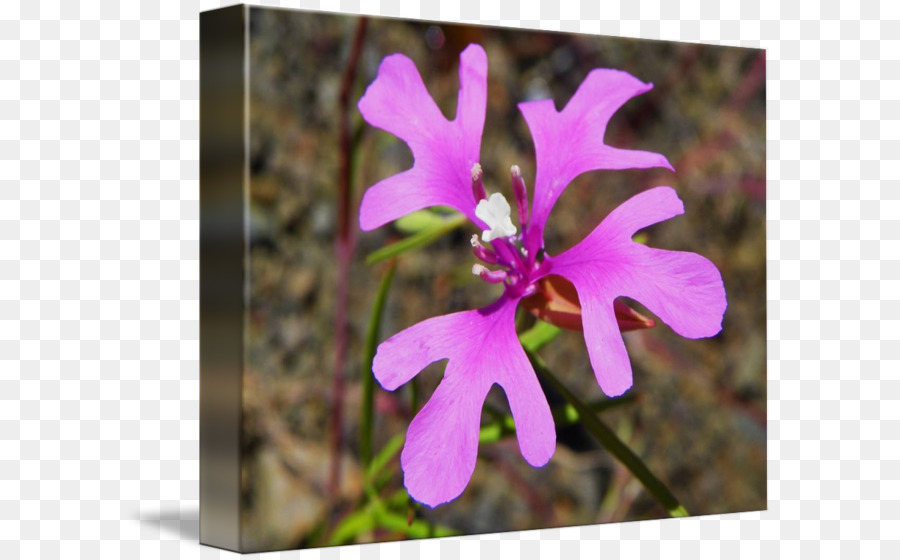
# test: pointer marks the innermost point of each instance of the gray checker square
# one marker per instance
(99, 279)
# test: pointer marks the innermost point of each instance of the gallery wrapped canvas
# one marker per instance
(461, 279)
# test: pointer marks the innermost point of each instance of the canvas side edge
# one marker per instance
(223, 165)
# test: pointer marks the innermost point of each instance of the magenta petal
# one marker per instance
(683, 289)
(570, 142)
(402, 356)
(535, 429)
(472, 98)
(482, 348)
(609, 358)
(444, 151)
(441, 446)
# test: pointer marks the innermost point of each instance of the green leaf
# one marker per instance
(538, 336)
(497, 430)
(613, 444)
(390, 449)
(421, 239)
(353, 525)
(418, 221)
(380, 514)
(368, 379)
(679, 511)
(418, 529)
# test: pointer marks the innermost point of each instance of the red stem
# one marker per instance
(344, 253)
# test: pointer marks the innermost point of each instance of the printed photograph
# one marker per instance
(498, 280)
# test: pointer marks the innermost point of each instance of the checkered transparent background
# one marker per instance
(99, 270)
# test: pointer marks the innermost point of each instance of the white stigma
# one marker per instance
(495, 212)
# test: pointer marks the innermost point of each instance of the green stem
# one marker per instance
(368, 378)
(421, 239)
(613, 444)
(568, 414)
(390, 449)
(413, 395)
(503, 425)
(539, 335)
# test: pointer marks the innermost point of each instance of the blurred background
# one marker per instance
(697, 415)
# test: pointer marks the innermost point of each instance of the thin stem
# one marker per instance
(413, 396)
(366, 421)
(413, 407)
(503, 425)
(420, 239)
(344, 250)
(613, 444)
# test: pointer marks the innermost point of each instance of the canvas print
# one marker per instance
(495, 280)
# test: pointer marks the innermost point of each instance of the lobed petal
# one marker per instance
(443, 151)
(482, 349)
(535, 429)
(402, 356)
(441, 447)
(570, 142)
(683, 289)
(606, 348)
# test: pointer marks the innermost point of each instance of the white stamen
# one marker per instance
(488, 275)
(495, 212)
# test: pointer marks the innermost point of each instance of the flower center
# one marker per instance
(495, 212)
(517, 271)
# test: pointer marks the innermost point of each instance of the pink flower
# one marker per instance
(684, 290)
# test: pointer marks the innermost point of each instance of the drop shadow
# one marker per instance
(184, 523)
